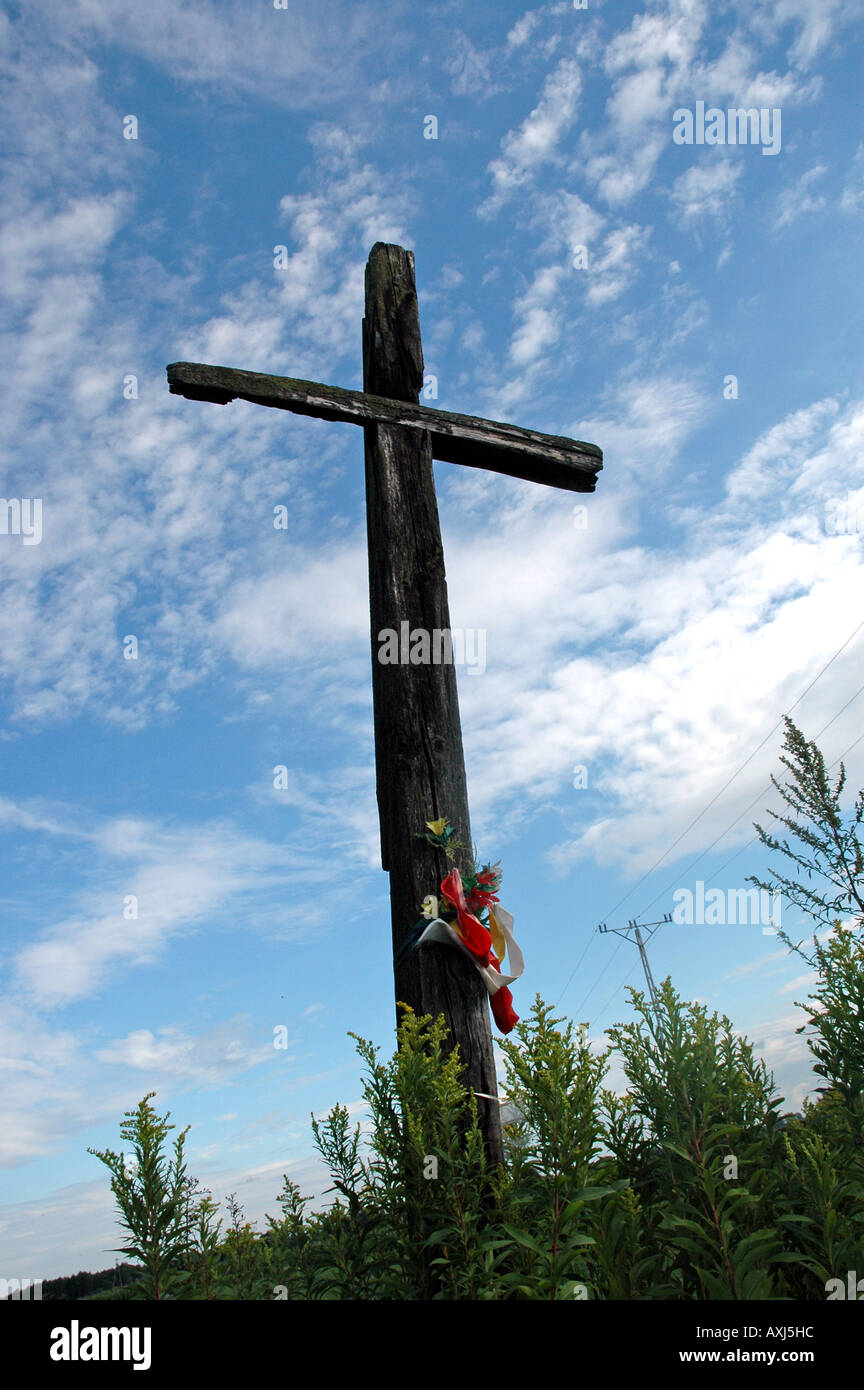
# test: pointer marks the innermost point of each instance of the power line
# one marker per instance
(588, 944)
(750, 805)
(736, 774)
(737, 853)
(587, 996)
(706, 808)
(630, 973)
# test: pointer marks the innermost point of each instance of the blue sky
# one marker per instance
(657, 645)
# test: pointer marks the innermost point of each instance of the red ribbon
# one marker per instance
(473, 933)
(502, 1009)
(478, 941)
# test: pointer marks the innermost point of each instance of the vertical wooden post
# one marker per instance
(419, 762)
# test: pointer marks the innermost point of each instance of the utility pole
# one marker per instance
(637, 929)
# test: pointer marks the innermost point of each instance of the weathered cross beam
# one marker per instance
(540, 458)
(420, 770)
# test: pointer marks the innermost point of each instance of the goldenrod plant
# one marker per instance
(152, 1190)
(691, 1185)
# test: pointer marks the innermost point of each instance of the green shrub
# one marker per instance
(688, 1186)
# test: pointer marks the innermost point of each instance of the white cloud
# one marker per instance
(779, 456)
(801, 984)
(523, 29)
(568, 221)
(652, 416)
(812, 26)
(537, 140)
(310, 313)
(284, 56)
(669, 36)
(43, 1095)
(75, 1227)
(171, 882)
(852, 199)
(657, 65)
(706, 190)
(615, 268)
(307, 612)
(123, 503)
(174, 1056)
(798, 200)
(621, 175)
(786, 1054)
(39, 241)
(538, 315)
(678, 662)
(647, 64)
(471, 70)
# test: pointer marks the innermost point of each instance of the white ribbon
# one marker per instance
(438, 930)
(504, 921)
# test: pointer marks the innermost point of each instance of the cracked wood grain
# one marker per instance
(569, 464)
(418, 738)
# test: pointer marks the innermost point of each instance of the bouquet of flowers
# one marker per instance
(469, 916)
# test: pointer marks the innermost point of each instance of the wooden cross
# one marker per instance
(420, 770)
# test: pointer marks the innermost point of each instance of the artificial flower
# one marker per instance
(472, 932)
(482, 894)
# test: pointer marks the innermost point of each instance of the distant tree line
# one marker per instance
(84, 1284)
